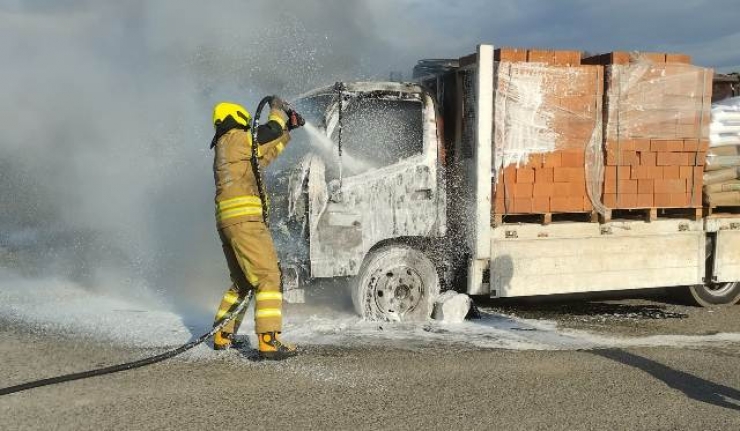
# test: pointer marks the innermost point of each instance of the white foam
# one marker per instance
(451, 307)
(57, 306)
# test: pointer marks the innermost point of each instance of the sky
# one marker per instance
(105, 172)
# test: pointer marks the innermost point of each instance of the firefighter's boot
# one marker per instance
(222, 340)
(270, 347)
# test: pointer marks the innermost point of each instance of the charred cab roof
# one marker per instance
(398, 90)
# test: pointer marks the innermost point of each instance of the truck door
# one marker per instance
(383, 184)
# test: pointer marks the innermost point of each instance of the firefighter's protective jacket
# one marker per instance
(237, 194)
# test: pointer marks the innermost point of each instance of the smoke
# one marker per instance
(105, 172)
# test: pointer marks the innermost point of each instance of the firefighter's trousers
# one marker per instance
(253, 264)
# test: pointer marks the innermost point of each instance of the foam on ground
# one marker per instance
(58, 307)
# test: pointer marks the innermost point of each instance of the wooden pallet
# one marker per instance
(719, 211)
(651, 214)
(645, 214)
(544, 218)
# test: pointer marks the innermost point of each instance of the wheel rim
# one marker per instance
(398, 290)
(719, 289)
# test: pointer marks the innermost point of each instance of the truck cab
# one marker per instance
(361, 194)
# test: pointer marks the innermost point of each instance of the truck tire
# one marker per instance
(396, 283)
(715, 294)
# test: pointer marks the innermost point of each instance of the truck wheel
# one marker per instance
(715, 294)
(396, 283)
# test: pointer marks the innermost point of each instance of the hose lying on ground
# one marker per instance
(130, 365)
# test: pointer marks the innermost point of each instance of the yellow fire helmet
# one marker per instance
(224, 109)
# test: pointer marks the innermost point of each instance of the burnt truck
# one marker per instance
(391, 187)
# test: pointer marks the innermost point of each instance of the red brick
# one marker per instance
(627, 187)
(662, 200)
(662, 145)
(678, 58)
(698, 175)
(577, 188)
(623, 158)
(525, 176)
(610, 200)
(624, 172)
(567, 58)
(560, 190)
(645, 187)
(559, 204)
(680, 200)
(627, 145)
(672, 172)
(577, 203)
(522, 190)
(645, 200)
(691, 145)
(510, 175)
(542, 189)
(541, 204)
(627, 200)
(648, 158)
(671, 159)
(701, 158)
(675, 145)
(655, 57)
(510, 54)
(551, 160)
(610, 186)
(610, 172)
(573, 159)
(641, 172)
(566, 175)
(686, 172)
(657, 173)
(704, 146)
(566, 204)
(659, 145)
(670, 186)
(697, 190)
(539, 56)
(642, 144)
(544, 175)
(521, 206)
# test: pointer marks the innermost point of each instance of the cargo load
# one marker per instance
(656, 129)
(547, 111)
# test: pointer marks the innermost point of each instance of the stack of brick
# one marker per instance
(548, 183)
(656, 130)
(548, 109)
(654, 173)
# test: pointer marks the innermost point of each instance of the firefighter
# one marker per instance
(241, 221)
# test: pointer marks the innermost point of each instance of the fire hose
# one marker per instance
(135, 364)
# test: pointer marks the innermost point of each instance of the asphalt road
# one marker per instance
(397, 386)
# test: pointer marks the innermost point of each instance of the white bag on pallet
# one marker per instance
(725, 127)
